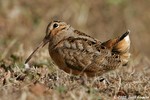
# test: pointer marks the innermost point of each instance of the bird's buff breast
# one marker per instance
(60, 62)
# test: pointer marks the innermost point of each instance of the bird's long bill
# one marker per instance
(42, 44)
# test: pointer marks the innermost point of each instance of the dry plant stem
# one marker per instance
(12, 43)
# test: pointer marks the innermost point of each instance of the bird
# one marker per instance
(78, 53)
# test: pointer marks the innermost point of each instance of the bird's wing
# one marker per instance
(85, 55)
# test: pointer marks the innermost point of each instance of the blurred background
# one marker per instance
(23, 22)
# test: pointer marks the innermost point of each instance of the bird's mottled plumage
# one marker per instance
(78, 53)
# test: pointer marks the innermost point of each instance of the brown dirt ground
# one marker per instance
(22, 27)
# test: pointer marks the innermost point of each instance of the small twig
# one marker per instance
(8, 48)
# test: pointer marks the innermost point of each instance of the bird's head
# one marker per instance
(55, 31)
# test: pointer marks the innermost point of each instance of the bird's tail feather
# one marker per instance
(120, 46)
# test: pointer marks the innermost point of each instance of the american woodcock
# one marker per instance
(78, 53)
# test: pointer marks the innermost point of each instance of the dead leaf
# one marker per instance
(37, 89)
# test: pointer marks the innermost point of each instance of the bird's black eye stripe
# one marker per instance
(55, 25)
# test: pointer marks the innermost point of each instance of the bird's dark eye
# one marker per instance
(55, 25)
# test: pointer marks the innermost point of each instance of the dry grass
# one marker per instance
(44, 81)
(22, 26)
